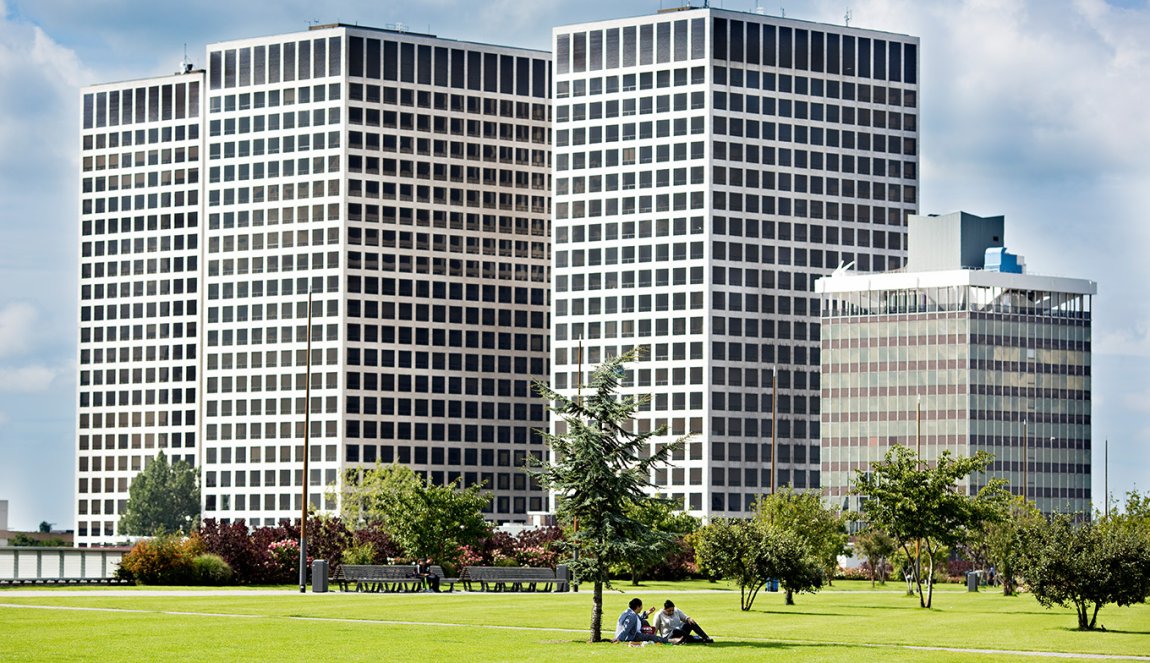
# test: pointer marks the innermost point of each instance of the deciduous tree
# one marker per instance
(163, 499)
(804, 515)
(426, 520)
(752, 552)
(1087, 565)
(921, 506)
(665, 525)
(876, 547)
(599, 469)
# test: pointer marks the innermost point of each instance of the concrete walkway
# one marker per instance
(544, 629)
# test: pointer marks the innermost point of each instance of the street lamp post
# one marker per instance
(306, 455)
(774, 422)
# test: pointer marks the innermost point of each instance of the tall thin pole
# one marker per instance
(918, 429)
(306, 455)
(917, 464)
(774, 423)
(578, 399)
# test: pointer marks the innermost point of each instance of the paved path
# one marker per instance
(390, 622)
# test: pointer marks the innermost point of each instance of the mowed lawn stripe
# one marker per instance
(841, 624)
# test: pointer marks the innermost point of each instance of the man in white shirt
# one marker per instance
(673, 624)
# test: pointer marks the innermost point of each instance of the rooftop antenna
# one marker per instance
(186, 63)
(782, 11)
(847, 18)
(760, 10)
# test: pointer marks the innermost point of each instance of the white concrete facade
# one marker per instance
(709, 165)
(399, 179)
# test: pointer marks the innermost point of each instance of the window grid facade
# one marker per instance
(140, 244)
(997, 366)
(709, 165)
(399, 179)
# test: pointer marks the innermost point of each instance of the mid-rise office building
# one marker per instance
(965, 352)
(396, 181)
(709, 166)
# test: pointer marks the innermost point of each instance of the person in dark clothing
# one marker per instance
(423, 570)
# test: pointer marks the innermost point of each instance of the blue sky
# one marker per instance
(1031, 108)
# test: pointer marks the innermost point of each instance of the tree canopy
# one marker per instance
(163, 499)
(426, 520)
(921, 506)
(876, 546)
(821, 529)
(1087, 565)
(665, 525)
(599, 470)
(751, 552)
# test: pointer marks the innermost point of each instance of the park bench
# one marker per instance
(386, 578)
(508, 578)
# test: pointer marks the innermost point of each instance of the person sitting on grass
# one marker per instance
(672, 624)
(423, 570)
(630, 626)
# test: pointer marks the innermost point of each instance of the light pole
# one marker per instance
(306, 455)
(774, 422)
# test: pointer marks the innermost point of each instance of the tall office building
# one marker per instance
(963, 352)
(709, 166)
(398, 182)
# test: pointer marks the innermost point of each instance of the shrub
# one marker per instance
(209, 569)
(363, 553)
(233, 543)
(283, 561)
(164, 560)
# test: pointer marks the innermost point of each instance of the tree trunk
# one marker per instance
(597, 612)
(1094, 617)
(872, 575)
(1083, 623)
(790, 597)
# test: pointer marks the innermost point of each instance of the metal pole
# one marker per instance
(918, 429)
(774, 423)
(578, 399)
(306, 455)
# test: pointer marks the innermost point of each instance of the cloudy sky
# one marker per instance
(1035, 109)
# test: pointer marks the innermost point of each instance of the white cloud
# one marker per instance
(17, 328)
(1129, 342)
(26, 379)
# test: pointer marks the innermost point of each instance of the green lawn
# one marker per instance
(848, 622)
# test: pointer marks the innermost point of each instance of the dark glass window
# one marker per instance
(719, 37)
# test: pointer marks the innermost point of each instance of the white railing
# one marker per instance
(58, 565)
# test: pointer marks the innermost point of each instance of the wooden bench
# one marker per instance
(508, 578)
(386, 578)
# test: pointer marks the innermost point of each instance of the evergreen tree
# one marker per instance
(599, 470)
(163, 499)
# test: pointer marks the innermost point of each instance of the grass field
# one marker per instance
(848, 622)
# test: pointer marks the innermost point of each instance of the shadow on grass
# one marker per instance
(1101, 629)
(718, 644)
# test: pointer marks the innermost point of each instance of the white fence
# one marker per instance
(58, 565)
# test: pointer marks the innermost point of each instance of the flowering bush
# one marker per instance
(283, 560)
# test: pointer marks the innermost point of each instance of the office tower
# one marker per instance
(140, 288)
(396, 181)
(963, 352)
(709, 166)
